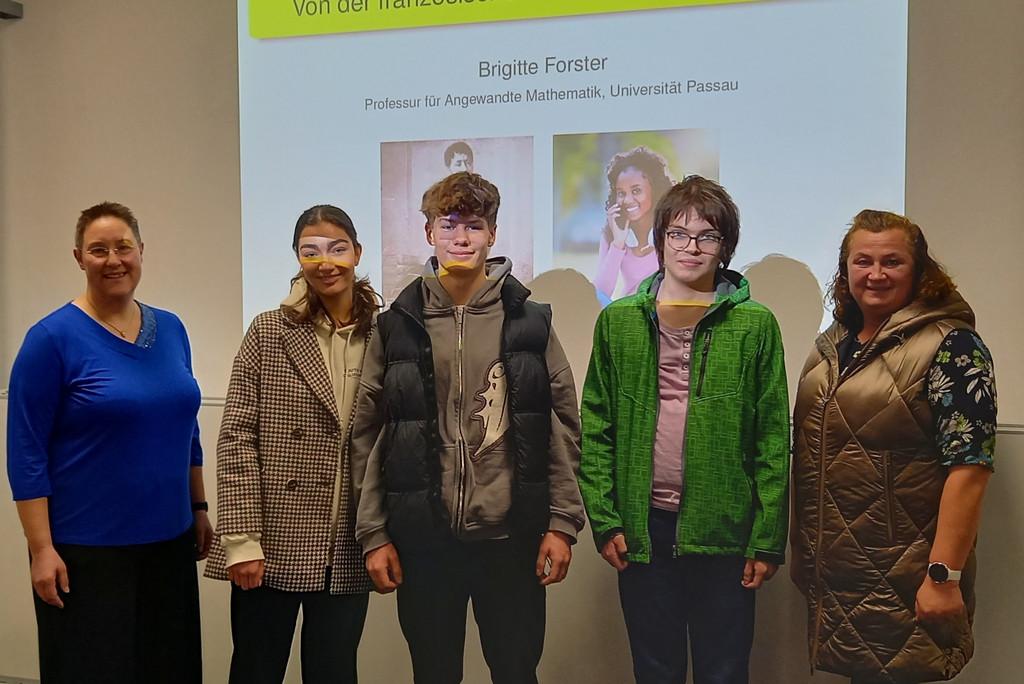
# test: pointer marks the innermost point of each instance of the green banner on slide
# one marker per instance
(284, 18)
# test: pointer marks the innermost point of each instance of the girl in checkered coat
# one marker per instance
(285, 514)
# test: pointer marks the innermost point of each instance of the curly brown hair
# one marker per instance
(932, 284)
(652, 165)
(465, 193)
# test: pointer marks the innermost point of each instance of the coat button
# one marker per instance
(298, 433)
(291, 485)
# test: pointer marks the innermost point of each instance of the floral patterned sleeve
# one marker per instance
(962, 394)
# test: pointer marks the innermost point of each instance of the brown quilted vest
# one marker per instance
(866, 485)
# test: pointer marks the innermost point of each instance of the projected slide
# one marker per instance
(582, 113)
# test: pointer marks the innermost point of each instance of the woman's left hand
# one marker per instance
(204, 534)
(939, 602)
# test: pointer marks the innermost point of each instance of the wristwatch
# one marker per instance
(940, 573)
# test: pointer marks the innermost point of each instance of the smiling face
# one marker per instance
(461, 243)
(693, 265)
(328, 258)
(880, 270)
(633, 194)
(111, 258)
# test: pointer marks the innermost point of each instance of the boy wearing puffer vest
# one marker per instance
(685, 466)
(465, 449)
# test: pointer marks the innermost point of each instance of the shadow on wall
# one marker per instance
(574, 310)
(790, 290)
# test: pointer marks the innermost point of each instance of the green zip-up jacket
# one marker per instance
(735, 497)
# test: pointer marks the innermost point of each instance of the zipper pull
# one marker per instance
(458, 325)
(704, 360)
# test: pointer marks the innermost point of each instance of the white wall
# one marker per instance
(137, 102)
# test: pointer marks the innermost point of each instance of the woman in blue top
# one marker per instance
(105, 465)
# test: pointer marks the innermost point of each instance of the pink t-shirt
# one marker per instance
(674, 361)
(611, 260)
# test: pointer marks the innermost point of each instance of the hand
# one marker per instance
(618, 232)
(757, 572)
(614, 551)
(384, 568)
(553, 557)
(247, 575)
(48, 575)
(204, 534)
(939, 602)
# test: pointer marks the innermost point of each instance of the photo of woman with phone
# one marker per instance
(637, 179)
(605, 187)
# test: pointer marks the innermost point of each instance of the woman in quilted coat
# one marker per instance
(894, 438)
(286, 516)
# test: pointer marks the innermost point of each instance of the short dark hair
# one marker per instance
(459, 147)
(462, 193)
(932, 284)
(711, 202)
(98, 211)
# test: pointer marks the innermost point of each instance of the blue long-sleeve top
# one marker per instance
(106, 429)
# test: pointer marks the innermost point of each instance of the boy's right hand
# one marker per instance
(614, 551)
(384, 569)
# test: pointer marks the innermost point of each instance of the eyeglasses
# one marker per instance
(103, 252)
(707, 243)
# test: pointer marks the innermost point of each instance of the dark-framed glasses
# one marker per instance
(707, 243)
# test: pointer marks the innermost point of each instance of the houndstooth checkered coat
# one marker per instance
(277, 455)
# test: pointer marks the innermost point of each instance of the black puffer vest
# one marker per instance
(411, 448)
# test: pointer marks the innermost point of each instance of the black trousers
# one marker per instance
(131, 617)
(508, 605)
(263, 624)
(699, 596)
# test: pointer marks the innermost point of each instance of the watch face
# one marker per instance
(938, 572)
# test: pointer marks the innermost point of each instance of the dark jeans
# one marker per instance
(701, 596)
(508, 604)
(131, 617)
(263, 624)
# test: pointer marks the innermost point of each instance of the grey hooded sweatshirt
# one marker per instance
(476, 464)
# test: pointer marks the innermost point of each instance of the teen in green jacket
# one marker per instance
(685, 463)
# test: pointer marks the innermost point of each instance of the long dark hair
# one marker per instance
(932, 284)
(365, 300)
